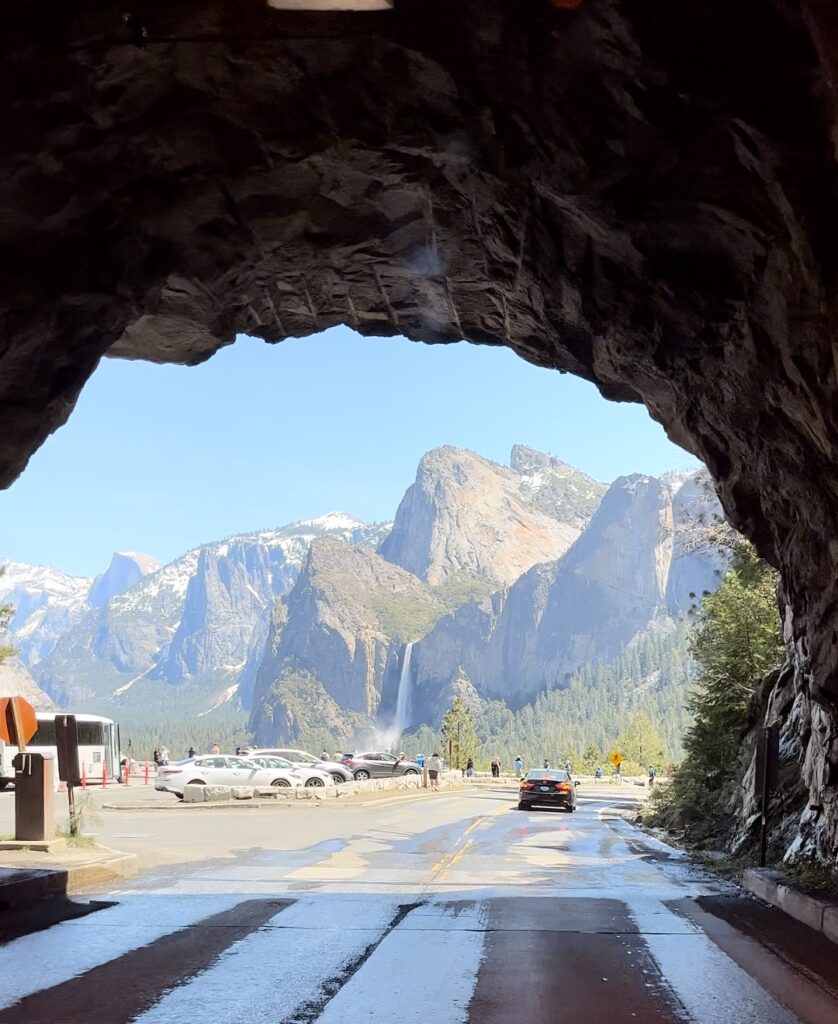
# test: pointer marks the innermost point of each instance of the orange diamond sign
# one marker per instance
(18, 723)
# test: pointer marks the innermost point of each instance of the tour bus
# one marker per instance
(98, 747)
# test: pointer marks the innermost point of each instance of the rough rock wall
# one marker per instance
(611, 190)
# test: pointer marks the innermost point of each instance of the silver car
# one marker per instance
(220, 770)
(309, 776)
(301, 758)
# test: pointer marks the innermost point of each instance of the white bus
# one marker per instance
(98, 747)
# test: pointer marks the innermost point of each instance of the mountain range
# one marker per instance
(492, 582)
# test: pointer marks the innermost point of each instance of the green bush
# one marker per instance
(736, 642)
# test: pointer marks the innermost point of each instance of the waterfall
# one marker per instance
(405, 693)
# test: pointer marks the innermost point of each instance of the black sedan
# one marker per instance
(547, 787)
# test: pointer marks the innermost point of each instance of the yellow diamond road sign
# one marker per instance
(616, 758)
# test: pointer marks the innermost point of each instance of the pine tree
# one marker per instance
(736, 641)
(459, 734)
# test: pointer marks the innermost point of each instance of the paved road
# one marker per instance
(449, 909)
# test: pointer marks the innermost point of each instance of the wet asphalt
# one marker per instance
(454, 908)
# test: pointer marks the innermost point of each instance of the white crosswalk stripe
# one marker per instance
(285, 964)
(68, 949)
(688, 963)
(414, 976)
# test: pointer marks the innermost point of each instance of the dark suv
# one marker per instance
(549, 787)
(375, 765)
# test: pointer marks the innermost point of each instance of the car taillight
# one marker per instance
(527, 785)
(562, 787)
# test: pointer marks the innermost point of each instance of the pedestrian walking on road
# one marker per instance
(434, 767)
(469, 767)
(519, 765)
(495, 767)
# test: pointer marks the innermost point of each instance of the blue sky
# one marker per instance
(161, 458)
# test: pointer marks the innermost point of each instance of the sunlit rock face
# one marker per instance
(639, 193)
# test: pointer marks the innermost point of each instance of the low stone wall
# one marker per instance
(216, 794)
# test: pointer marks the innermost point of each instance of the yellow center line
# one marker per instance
(444, 864)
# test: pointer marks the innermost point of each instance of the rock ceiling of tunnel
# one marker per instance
(641, 194)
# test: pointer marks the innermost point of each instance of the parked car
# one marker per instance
(301, 758)
(547, 787)
(220, 770)
(376, 765)
(309, 776)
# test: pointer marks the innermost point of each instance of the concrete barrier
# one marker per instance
(401, 784)
(821, 915)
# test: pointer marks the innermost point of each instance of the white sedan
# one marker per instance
(308, 775)
(220, 770)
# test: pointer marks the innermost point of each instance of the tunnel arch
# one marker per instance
(642, 197)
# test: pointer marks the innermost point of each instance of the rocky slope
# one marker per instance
(352, 634)
(16, 681)
(466, 518)
(47, 603)
(644, 560)
(336, 640)
(126, 569)
(191, 621)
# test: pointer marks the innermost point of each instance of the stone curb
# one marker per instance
(821, 915)
(27, 885)
(362, 799)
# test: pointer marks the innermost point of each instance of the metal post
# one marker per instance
(763, 830)
(71, 800)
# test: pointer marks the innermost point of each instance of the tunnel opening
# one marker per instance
(593, 187)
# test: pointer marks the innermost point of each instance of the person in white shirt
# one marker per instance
(434, 767)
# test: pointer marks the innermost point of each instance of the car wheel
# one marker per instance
(361, 775)
(411, 771)
(338, 779)
(314, 781)
(179, 796)
(281, 783)
(522, 806)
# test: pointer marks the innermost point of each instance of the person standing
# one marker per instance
(191, 751)
(434, 768)
(164, 755)
(519, 765)
(469, 767)
(324, 755)
(652, 774)
(215, 749)
(495, 767)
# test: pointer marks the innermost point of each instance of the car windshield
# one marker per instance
(554, 775)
